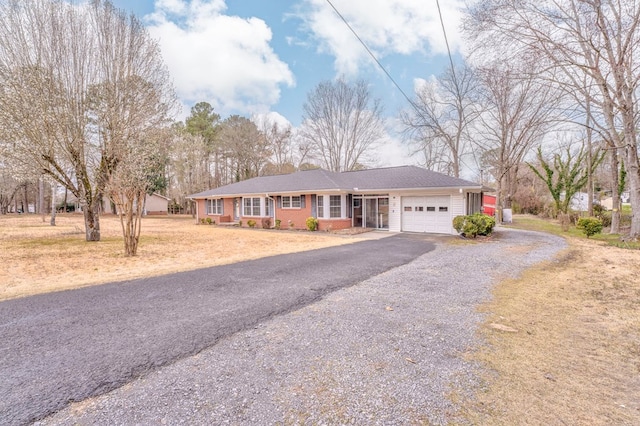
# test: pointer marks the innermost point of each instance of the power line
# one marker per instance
(373, 56)
(446, 42)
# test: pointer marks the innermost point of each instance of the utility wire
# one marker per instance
(446, 42)
(373, 56)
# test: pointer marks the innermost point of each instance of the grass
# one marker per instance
(573, 359)
(575, 355)
(39, 258)
(533, 223)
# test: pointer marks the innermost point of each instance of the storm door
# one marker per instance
(371, 212)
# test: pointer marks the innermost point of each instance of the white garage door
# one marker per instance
(427, 214)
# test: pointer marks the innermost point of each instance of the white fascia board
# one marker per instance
(424, 188)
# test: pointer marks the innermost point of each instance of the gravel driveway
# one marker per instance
(72, 345)
(383, 351)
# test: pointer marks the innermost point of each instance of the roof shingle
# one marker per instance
(383, 179)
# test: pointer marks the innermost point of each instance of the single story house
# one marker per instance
(405, 198)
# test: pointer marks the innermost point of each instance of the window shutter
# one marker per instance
(314, 206)
(303, 198)
(350, 205)
(279, 200)
(221, 206)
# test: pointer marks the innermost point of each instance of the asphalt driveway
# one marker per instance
(63, 347)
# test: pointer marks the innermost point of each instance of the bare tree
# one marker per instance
(517, 112)
(130, 182)
(342, 124)
(187, 173)
(9, 186)
(279, 140)
(440, 122)
(596, 40)
(77, 83)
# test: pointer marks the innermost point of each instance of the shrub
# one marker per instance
(590, 225)
(202, 221)
(251, 223)
(598, 209)
(240, 223)
(604, 216)
(209, 221)
(312, 223)
(485, 223)
(266, 223)
(278, 223)
(470, 229)
(291, 224)
(473, 225)
(458, 223)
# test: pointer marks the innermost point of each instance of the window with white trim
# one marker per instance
(320, 205)
(251, 206)
(291, 201)
(335, 206)
(214, 206)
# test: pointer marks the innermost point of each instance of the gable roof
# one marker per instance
(383, 179)
(402, 177)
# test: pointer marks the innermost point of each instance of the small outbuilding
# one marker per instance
(156, 204)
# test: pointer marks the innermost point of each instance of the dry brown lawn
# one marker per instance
(563, 339)
(570, 354)
(39, 258)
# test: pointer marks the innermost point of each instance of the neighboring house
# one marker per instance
(405, 198)
(156, 204)
(579, 202)
(607, 203)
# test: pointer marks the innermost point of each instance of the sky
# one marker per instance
(263, 57)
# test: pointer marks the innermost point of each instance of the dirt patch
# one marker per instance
(574, 357)
(39, 258)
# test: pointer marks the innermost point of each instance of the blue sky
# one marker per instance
(262, 57)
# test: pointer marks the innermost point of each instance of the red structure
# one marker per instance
(489, 204)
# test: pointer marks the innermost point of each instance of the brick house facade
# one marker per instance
(406, 198)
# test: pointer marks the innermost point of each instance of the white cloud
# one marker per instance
(393, 152)
(271, 117)
(224, 60)
(386, 26)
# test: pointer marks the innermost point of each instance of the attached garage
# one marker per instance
(430, 214)
(405, 198)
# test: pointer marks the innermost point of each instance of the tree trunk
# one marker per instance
(92, 221)
(589, 162)
(615, 195)
(52, 222)
(130, 205)
(633, 172)
(633, 169)
(499, 197)
(40, 208)
(25, 207)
